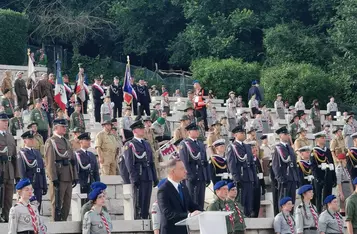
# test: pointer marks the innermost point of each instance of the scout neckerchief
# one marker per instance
(239, 212)
(80, 119)
(12, 108)
(33, 217)
(40, 110)
(337, 216)
(19, 122)
(314, 215)
(289, 222)
(231, 218)
(105, 222)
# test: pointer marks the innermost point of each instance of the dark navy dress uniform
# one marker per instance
(98, 98)
(259, 188)
(218, 166)
(87, 166)
(285, 168)
(193, 154)
(116, 96)
(31, 165)
(352, 161)
(242, 166)
(139, 161)
(323, 170)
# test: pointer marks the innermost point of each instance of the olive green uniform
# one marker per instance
(40, 118)
(9, 106)
(238, 217)
(351, 210)
(15, 123)
(77, 121)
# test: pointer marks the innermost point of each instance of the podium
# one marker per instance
(209, 222)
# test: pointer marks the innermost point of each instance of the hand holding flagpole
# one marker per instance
(128, 59)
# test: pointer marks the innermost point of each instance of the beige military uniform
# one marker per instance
(337, 146)
(150, 137)
(212, 137)
(180, 133)
(8, 165)
(59, 158)
(39, 144)
(300, 142)
(107, 143)
(75, 144)
(6, 84)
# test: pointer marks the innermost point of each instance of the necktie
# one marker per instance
(12, 108)
(20, 125)
(41, 114)
(180, 191)
(33, 218)
(80, 119)
(230, 216)
(105, 222)
(315, 217)
(288, 220)
(338, 222)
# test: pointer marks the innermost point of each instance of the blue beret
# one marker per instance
(231, 185)
(329, 199)
(94, 194)
(219, 185)
(354, 181)
(98, 184)
(303, 189)
(23, 183)
(195, 81)
(284, 200)
(254, 82)
(161, 182)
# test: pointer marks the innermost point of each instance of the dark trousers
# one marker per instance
(247, 197)
(197, 191)
(118, 106)
(143, 199)
(288, 189)
(84, 106)
(256, 200)
(202, 113)
(145, 107)
(44, 134)
(22, 102)
(321, 191)
(135, 106)
(8, 193)
(97, 111)
(84, 189)
(38, 193)
(275, 191)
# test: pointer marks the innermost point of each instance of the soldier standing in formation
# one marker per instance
(306, 214)
(8, 166)
(140, 164)
(193, 154)
(331, 221)
(21, 91)
(8, 103)
(24, 217)
(87, 166)
(45, 88)
(323, 170)
(38, 140)
(16, 123)
(77, 119)
(352, 158)
(337, 145)
(61, 170)
(107, 148)
(301, 141)
(97, 219)
(31, 166)
(98, 97)
(285, 166)
(284, 221)
(241, 165)
(116, 96)
(39, 116)
(304, 166)
(74, 141)
(218, 162)
(181, 132)
(144, 99)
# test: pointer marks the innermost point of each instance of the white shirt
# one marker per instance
(241, 143)
(174, 183)
(138, 139)
(84, 150)
(283, 143)
(55, 134)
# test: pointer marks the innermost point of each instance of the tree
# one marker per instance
(225, 75)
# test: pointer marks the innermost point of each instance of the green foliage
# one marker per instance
(225, 75)
(13, 37)
(295, 79)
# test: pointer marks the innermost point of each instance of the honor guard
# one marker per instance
(323, 169)
(193, 154)
(241, 165)
(8, 166)
(352, 158)
(97, 220)
(75, 141)
(116, 96)
(38, 140)
(331, 221)
(107, 148)
(218, 163)
(98, 97)
(306, 215)
(284, 166)
(77, 119)
(304, 166)
(61, 171)
(8, 103)
(238, 214)
(87, 166)
(16, 123)
(140, 163)
(39, 116)
(31, 166)
(284, 222)
(24, 217)
(274, 188)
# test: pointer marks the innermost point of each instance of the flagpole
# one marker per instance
(132, 104)
(32, 83)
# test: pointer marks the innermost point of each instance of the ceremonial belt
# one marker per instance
(65, 162)
(310, 228)
(6, 158)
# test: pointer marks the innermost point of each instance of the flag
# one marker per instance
(80, 88)
(30, 68)
(129, 92)
(60, 92)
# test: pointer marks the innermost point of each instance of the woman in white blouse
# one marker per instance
(300, 106)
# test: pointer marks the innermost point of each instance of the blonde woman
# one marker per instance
(24, 217)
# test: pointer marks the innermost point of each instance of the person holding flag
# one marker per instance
(81, 88)
(129, 92)
(60, 92)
